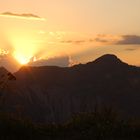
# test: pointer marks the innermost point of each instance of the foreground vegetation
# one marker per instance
(84, 126)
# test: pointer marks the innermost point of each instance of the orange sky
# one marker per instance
(77, 29)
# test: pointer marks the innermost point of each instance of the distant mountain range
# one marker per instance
(53, 94)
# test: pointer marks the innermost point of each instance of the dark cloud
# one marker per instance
(24, 15)
(129, 40)
(63, 61)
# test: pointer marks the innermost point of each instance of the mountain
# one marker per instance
(2, 71)
(3, 75)
(53, 94)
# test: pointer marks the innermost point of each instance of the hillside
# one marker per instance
(54, 94)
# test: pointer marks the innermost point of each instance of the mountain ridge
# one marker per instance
(50, 93)
(107, 58)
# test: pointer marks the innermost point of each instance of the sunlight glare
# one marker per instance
(24, 50)
(21, 59)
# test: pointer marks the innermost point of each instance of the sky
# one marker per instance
(68, 32)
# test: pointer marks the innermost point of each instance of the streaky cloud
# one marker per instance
(28, 16)
(130, 49)
(74, 41)
(102, 39)
(108, 40)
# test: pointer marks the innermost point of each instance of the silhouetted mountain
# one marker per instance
(50, 93)
(2, 71)
(108, 58)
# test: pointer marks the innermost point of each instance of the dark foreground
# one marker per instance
(85, 126)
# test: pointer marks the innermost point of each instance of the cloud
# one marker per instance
(74, 41)
(130, 49)
(63, 61)
(129, 40)
(23, 16)
(102, 39)
(106, 39)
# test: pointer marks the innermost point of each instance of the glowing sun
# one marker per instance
(24, 50)
(22, 59)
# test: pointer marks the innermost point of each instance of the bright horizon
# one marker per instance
(67, 32)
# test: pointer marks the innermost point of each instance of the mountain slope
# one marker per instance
(48, 93)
